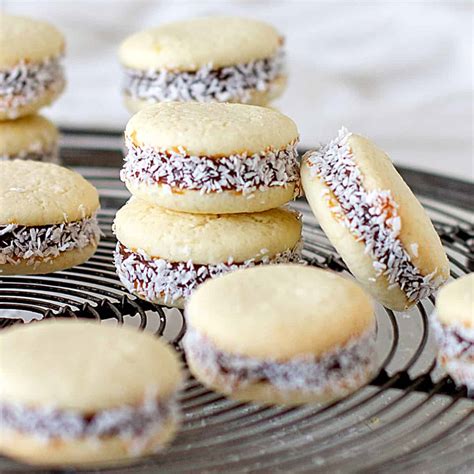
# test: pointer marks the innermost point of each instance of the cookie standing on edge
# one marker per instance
(31, 73)
(285, 334)
(80, 392)
(211, 158)
(217, 59)
(162, 255)
(374, 220)
(29, 138)
(453, 326)
(47, 218)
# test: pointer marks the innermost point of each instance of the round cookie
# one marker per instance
(453, 327)
(29, 138)
(31, 72)
(162, 255)
(47, 218)
(211, 158)
(57, 410)
(214, 59)
(374, 220)
(284, 334)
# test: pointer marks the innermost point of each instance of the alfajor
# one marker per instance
(162, 255)
(82, 392)
(29, 138)
(211, 158)
(278, 335)
(374, 220)
(47, 218)
(31, 71)
(453, 327)
(216, 59)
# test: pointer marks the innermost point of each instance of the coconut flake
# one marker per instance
(26, 82)
(227, 84)
(158, 279)
(240, 172)
(371, 216)
(42, 244)
(48, 155)
(341, 368)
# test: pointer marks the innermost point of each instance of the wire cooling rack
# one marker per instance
(411, 418)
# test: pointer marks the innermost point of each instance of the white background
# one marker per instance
(398, 72)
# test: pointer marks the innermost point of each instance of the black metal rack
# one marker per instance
(411, 418)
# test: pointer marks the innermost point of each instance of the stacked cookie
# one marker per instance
(215, 59)
(207, 181)
(31, 77)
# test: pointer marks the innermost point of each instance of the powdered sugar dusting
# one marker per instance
(24, 83)
(228, 84)
(240, 172)
(42, 244)
(371, 217)
(344, 367)
(158, 279)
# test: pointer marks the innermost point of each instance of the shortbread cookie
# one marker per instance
(75, 392)
(211, 158)
(162, 256)
(284, 334)
(218, 59)
(374, 220)
(47, 218)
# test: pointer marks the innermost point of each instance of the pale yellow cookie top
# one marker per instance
(35, 194)
(211, 129)
(32, 133)
(85, 366)
(189, 44)
(455, 302)
(280, 311)
(27, 39)
(203, 238)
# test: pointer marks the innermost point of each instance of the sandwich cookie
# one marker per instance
(374, 220)
(75, 392)
(283, 334)
(31, 73)
(162, 256)
(218, 59)
(47, 218)
(29, 138)
(211, 158)
(453, 327)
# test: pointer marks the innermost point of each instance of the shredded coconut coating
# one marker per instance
(26, 82)
(228, 84)
(344, 367)
(454, 341)
(51, 423)
(42, 244)
(240, 172)
(158, 279)
(51, 156)
(371, 217)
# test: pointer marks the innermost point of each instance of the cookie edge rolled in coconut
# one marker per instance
(380, 179)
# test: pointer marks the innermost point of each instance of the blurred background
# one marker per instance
(399, 72)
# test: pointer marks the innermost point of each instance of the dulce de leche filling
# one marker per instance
(37, 244)
(344, 367)
(25, 82)
(241, 173)
(126, 421)
(227, 84)
(157, 279)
